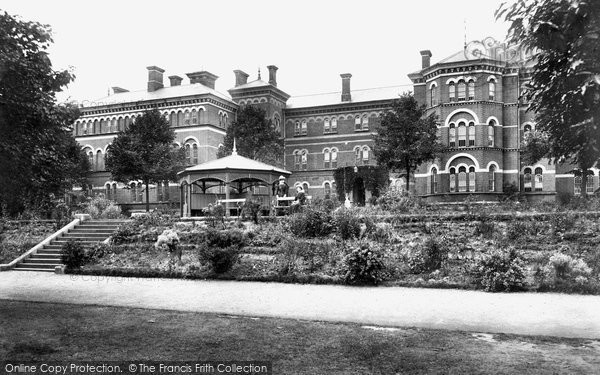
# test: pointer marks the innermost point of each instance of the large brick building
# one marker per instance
(482, 122)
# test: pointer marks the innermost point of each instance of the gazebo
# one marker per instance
(231, 177)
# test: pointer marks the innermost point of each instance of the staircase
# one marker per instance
(88, 233)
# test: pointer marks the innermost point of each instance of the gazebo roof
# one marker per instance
(235, 162)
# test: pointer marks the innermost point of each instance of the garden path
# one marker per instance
(520, 313)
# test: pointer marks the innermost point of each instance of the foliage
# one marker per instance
(511, 191)
(563, 221)
(375, 179)
(406, 137)
(145, 152)
(564, 90)
(363, 265)
(251, 210)
(215, 214)
(38, 154)
(397, 201)
(168, 241)
(221, 259)
(500, 271)
(73, 254)
(428, 257)
(517, 229)
(535, 146)
(98, 207)
(304, 256)
(311, 222)
(224, 238)
(484, 227)
(255, 135)
(347, 223)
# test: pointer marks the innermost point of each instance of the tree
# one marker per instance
(564, 90)
(145, 152)
(39, 157)
(256, 138)
(406, 137)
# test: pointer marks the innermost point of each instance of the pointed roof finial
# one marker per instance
(234, 152)
(259, 72)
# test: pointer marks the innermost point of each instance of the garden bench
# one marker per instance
(288, 199)
(238, 201)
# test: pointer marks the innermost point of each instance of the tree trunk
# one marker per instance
(147, 196)
(408, 179)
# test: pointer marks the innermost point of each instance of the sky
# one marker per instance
(110, 43)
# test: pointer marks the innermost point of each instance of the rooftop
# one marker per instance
(333, 98)
(235, 161)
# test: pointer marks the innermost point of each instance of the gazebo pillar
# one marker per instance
(181, 201)
(227, 199)
(189, 200)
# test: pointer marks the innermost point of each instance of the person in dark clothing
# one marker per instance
(281, 190)
(300, 199)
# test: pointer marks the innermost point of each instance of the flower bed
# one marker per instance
(18, 237)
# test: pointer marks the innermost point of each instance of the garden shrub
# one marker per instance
(304, 256)
(430, 256)
(311, 222)
(347, 224)
(98, 207)
(73, 254)
(250, 211)
(224, 238)
(169, 241)
(363, 265)
(126, 233)
(563, 221)
(221, 259)
(215, 214)
(153, 219)
(562, 270)
(516, 229)
(398, 201)
(500, 270)
(382, 233)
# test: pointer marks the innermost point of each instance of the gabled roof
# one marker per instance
(333, 98)
(163, 93)
(235, 161)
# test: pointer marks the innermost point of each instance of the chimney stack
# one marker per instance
(346, 97)
(175, 80)
(155, 78)
(241, 78)
(205, 78)
(425, 59)
(118, 90)
(272, 75)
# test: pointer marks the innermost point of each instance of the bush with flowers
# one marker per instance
(169, 241)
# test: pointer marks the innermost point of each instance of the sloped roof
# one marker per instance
(163, 93)
(455, 57)
(235, 161)
(332, 98)
(249, 85)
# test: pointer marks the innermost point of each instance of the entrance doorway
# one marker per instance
(358, 192)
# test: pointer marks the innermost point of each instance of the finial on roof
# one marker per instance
(234, 152)
(258, 72)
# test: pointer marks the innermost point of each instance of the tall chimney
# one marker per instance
(346, 87)
(155, 78)
(272, 75)
(241, 78)
(425, 59)
(205, 78)
(175, 80)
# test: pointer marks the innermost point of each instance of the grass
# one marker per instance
(42, 331)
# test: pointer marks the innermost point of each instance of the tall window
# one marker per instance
(539, 179)
(357, 155)
(452, 136)
(194, 117)
(471, 134)
(472, 179)
(113, 125)
(127, 122)
(99, 163)
(186, 118)
(589, 186)
(195, 154)
(492, 178)
(526, 130)
(304, 159)
(327, 190)
(173, 119)
(471, 90)
(462, 134)
(304, 128)
(120, 123)
(334, 125)
(434, 181)
(297, 160)
(462, 179)
(114, 191)
(433, 95)
(365, 155)
(357, 123)
(452, 180)
(180, 118)
(462, 90)
(90, 155)
(297, 128)
(491, 133)
(452, 92)
(326, 125)
(334, 153)
(108, 191)
(326, 158)
(188, 154)
(527, 179)
(365, 122)
(492, 89)
(277, 124)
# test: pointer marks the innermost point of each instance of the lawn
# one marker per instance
(41, 331)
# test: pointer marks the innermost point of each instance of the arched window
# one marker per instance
(365, 122)
(452, 180)
(96, 128)
(188, 154)
(471, 134)
(195, 154)
(304, 129)
(462, 135)
(113, 125)
(194, 117)
(577, 184)
(120, 124)
(334, 153)
(434, 181)
(326, 125)
(365, 155)
(326, 158)
(357, 123)
(297, 159)
(173, 119)
(539, 179)
(526, 130)
(107, 191)
(277, 124)
(327, 189)
(225, 120)
(491, 133)
(462, 90)
(179, 118)
(452, 92)
(452, 136)
(433, 95)
(127, 122)
(462, 179)
(334, 125)
(99, 161)
(492, 89)
(527, 179)
(589, 185)
(471, 90)
(114, 192)
(492, 178)
(90, 155)
(297, 128)
(472, 179)
(304, 159)
(357, 155)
